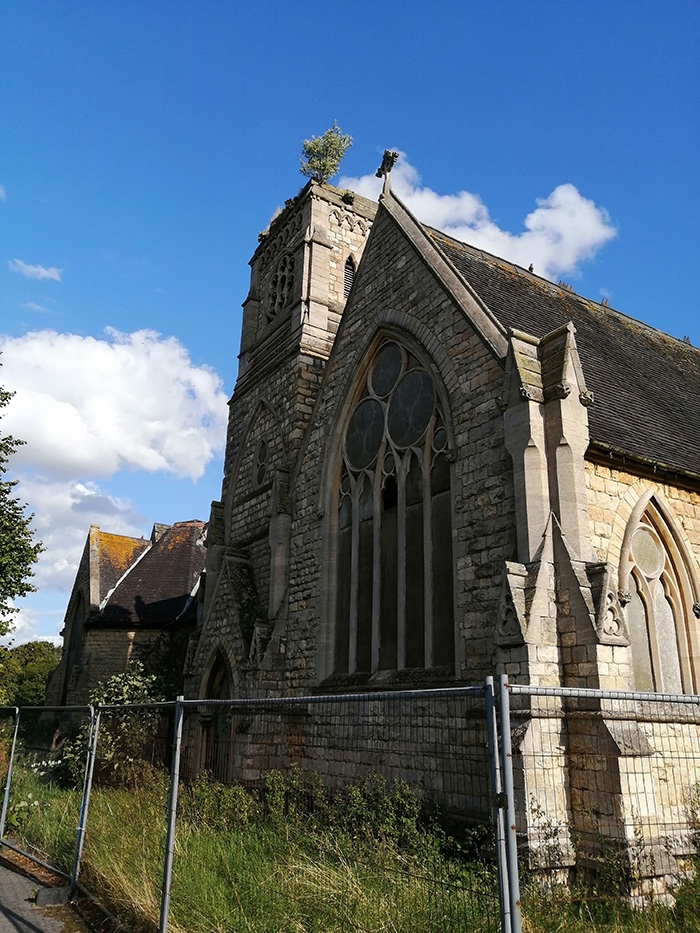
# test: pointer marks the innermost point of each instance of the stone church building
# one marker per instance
(439, 466)
(132, 598)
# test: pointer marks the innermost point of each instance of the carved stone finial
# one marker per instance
(586, 398)
(624, 597)
(384, 170)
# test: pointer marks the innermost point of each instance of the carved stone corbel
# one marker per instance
(609, 619)
(262, 632)
(511, 624)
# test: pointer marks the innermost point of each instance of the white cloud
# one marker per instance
(88, 407)
(3, 194)
(34, 272)
(30, 624)
(564, 230)
(33, 306)
(63, 513)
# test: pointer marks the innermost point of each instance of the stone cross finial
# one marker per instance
(385, 168)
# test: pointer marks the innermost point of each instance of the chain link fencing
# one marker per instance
(402, 811)
(357, 812)
(607, 798)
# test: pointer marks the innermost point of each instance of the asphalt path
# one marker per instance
(18, 913)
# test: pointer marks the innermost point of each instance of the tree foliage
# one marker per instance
(322, 155)
(25, 672)
(18, 551)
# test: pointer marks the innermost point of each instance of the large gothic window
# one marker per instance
(660, 608)
(394, 548)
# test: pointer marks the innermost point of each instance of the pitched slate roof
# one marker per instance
(646, 384)
(156, 589)
(115, 554)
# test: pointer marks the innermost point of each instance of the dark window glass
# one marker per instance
(415, 561)
(412, 406)
(394, 550)
(387, 369)
(389, 577)
(443, 627)
(364, 434)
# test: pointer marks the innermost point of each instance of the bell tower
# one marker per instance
(301, 275)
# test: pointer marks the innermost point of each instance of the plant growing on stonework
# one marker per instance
(322, 155)
(18, 551)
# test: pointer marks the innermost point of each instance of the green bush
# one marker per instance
(123, 735)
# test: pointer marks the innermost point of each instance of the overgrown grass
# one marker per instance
(290, 858)
(285, 858)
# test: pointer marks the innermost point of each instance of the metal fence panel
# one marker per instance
(361, 812)
(43, 786)
(607, 790)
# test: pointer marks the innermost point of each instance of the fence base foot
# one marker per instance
(52, 897)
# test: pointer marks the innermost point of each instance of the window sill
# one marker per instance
(408, 679)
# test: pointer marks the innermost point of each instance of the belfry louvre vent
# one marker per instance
(349, 276)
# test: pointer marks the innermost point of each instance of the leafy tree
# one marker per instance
(17, 549)
(322, 155)
(25, 672)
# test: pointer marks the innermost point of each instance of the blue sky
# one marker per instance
(144, 145)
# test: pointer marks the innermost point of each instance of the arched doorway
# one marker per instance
(217, 723)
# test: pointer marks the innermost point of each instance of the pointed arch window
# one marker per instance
(349, 276)
(394, 605)
(77, 635)
(661, 608)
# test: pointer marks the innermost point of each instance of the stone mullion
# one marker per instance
(428, 631)
(377, 564)
(401, 471)
(354, 575)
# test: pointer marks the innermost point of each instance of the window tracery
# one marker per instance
(394, 538)
(260, 465)
(660, 608)
(281, 286)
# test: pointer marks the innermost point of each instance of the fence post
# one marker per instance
(511, 835)
(498, 801)
(172, 816)
(8, 781)
(87, 789)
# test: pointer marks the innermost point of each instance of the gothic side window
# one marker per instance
(394, 540)
(260, 466)
(76, 640)
(660, 608)
(281, 286)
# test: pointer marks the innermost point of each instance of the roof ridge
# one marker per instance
(560, 289)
